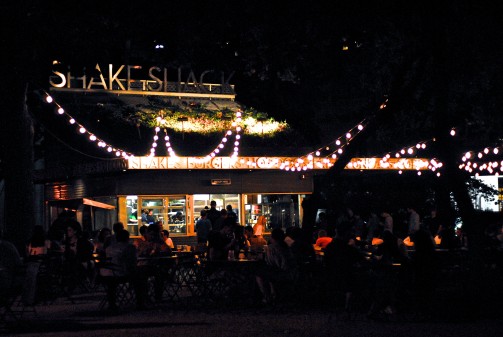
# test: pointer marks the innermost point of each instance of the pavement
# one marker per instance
(83, 317)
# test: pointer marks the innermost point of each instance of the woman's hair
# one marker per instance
(38, 237)
(104, 232)
(278, 235)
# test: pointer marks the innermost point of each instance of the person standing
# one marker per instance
(203, 228)
(213, 214)
(413, 222)
(217, 225)
(231, 214)
(387, 222)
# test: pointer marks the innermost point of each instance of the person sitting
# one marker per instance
(341, 258)
(111, 239)
(154, 245)
(167, 239)
(11, 272)
(143, 236)
(122, 260)
(323, 239)
(219, 243)
(39, 244)
(279, 267)
(99, 245)
(78, 254)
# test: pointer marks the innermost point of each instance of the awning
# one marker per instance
(75, 203)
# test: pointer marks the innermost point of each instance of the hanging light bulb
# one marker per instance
(61, 110)
(360, 127)
(49, 99)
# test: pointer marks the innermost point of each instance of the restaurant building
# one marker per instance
(172, 188)
(270, 181)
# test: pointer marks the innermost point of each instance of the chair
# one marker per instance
(117, 286)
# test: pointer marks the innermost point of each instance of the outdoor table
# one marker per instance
(160, 272)
(234, 279)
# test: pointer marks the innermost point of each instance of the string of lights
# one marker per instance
(161, 122)
(326, 155)
(84, 132)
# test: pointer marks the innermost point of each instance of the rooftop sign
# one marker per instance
(134, 80)
(270, 163)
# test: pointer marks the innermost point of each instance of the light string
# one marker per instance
(329, 152)
(471, 160)
(81, 130)
(160, 124)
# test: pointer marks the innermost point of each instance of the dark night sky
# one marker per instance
(289, 58)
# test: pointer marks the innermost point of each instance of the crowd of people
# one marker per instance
(388, 245)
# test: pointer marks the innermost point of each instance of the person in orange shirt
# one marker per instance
(323, 239)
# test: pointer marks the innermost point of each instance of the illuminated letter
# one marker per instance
(114, 77)
(61, 76)
(201, 80)
(129, 75)
(102, 83)
(158, 80)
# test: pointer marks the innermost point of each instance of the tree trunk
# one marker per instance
(17, 140)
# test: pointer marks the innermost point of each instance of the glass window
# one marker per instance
(177, 215)
(279, 210)
(132, 214)
(203, 200)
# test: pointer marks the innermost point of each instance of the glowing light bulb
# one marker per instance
(61, 110)
(82, 129)
(360, 127)
(348, 135)
(49, 99)
(72, 121)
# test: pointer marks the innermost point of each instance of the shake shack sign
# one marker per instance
(134, 80)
